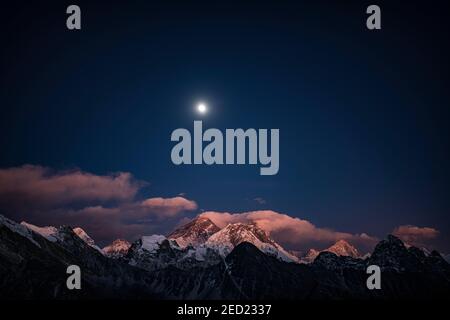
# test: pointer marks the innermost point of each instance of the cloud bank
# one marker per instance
(169, 207)
(293, 233)
(107, 206)
(38, 186)
(416, 236)
(110, 206)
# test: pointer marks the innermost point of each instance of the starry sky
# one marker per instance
(363, 115)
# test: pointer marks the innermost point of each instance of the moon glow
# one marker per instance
(202, 108)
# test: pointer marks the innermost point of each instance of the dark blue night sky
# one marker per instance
(363, 116)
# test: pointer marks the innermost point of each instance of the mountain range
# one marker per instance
(199, 260)
(340, 248)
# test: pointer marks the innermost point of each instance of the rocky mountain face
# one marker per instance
(201, 237)
(392, 255)
(85, 237)
(157, 252)
(33, 264)
(225, 240)
(54, 234)
(407, 273)
(194, 233)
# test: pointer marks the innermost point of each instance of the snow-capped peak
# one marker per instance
(311, 255)
(152, 243)
(53, 234)
(86, 238)
(343, 248)
(229, 237)
(194, 233)
(156, 251)
(83, 236)
(118, 248)
(18, 228)
(50, 233)
(340, 248)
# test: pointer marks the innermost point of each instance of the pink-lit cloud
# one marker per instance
(169, 207)
(127, 220)
(111, 206)
(40, 187)
(107, 206)
(292, 232)
(416, 236)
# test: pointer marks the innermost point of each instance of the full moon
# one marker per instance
(201, 107)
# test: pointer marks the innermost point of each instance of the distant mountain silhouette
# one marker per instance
(33, 264)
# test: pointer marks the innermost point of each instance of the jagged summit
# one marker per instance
(157, 252)
(343, 248)
(54, 234)
(84, 236)
(310, 256)
(394, 240)
(340, 248)
(156, 267)
(194, 233)
(392, 254)
(236, 233)
(233, 234)
(18, 229)
(117, 249)
(50, 233)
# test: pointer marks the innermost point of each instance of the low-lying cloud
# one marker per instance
(112, 206)
(293, 233)
(107, 206)
(169, 206)
(41, 187)
(416, 236)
